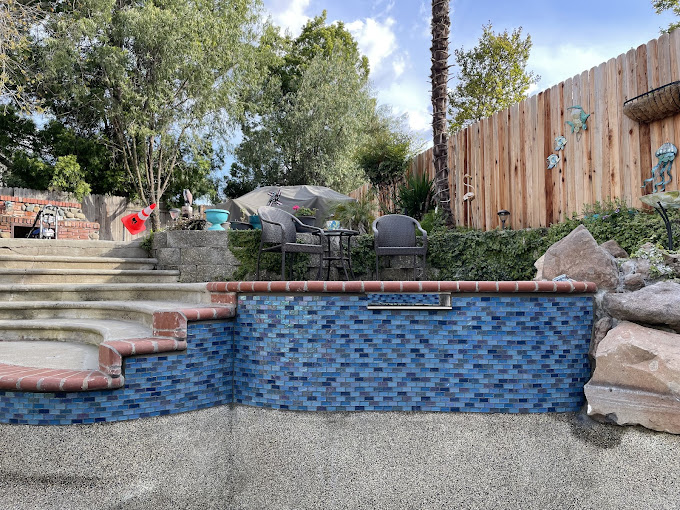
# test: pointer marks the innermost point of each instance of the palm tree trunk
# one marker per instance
(439, 76)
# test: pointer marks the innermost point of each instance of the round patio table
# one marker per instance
(344, 254)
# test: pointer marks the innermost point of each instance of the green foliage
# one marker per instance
(147, 243)
(415, 196)
(245, 244)
(668, 5)
(155, 78)
(355, 214)
(304, 211)
(68, 177)
(433, 221)
(491, 77)
(303, 125)
(510, 254)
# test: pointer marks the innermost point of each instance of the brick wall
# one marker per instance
(21, 212)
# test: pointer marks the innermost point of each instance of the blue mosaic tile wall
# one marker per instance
(513, 354)
(154, 385)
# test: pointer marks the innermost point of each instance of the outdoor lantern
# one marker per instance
(503, 214)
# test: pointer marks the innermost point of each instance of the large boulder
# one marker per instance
(580, 258)
(637, 378)
(654, 304)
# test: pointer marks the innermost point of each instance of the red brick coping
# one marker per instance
(170, 333)
(401, 286)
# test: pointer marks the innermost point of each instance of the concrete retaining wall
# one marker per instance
(244, 458)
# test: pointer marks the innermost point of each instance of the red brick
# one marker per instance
(467, 286)
(296, 286)
(278, 286)
(411, 286)
(334, 286)
(372, 286)
(545, 286)
(392, 286)
(354, 286)
(507, 286)
(526, 286)
(487, 286)
(315, 286)
(449, 286)
(564, 287)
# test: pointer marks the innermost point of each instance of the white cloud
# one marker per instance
(411, 97)
(376, 40)
(556, 64)
(289, 14)
(398, 65)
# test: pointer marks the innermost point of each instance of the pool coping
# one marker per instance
(362, 287)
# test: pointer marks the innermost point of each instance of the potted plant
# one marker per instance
(305, 215)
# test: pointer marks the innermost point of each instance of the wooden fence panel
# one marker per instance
(502, 160)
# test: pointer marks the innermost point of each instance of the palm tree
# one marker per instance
(439, 75)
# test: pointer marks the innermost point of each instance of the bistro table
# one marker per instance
(344, 254)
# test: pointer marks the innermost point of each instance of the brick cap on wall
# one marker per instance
(361, 287)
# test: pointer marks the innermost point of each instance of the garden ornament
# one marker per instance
(665, 154)
(470, 195)
(188, 198)
(560, 142)
(274, 197)
(553, 159)
(578, 119)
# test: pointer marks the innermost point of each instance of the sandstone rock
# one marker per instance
(628, 267)
(539, 268)
(633, 281)
(580, 258)
(600, 330)
(69, 214)
(613, 247)
(5, 235)
(654, 304)
(637, 378)
(94, 236)
(36, 208)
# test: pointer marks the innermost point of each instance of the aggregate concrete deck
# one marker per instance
(243, 458)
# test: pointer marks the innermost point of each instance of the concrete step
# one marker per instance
(195, 293)
(84, 331)
(73, 248)
(46, 276)
(20, 261)
(141, 312)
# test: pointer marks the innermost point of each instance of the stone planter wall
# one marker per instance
(204, 256)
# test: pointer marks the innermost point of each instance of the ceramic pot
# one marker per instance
(216, 217)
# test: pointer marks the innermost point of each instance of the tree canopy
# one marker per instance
(303, 126)
(491, 76)
(668, 5)
(157, 78)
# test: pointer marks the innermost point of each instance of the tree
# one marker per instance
(491, 77)
(17, 18)
(304, 124)
(68, 177)
(668, 5)
(157, 77)
(439, 76)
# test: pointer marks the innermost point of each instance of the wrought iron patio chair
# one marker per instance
(279, 230)
(395, 234)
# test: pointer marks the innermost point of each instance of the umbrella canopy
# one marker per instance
(321, 198)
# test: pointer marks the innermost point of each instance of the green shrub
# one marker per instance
(245, 244)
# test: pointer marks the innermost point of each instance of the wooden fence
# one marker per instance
(103, 209)
(502, 159)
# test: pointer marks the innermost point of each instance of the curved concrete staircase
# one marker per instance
(71, 311)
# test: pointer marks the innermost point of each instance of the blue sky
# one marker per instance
(568, 37)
